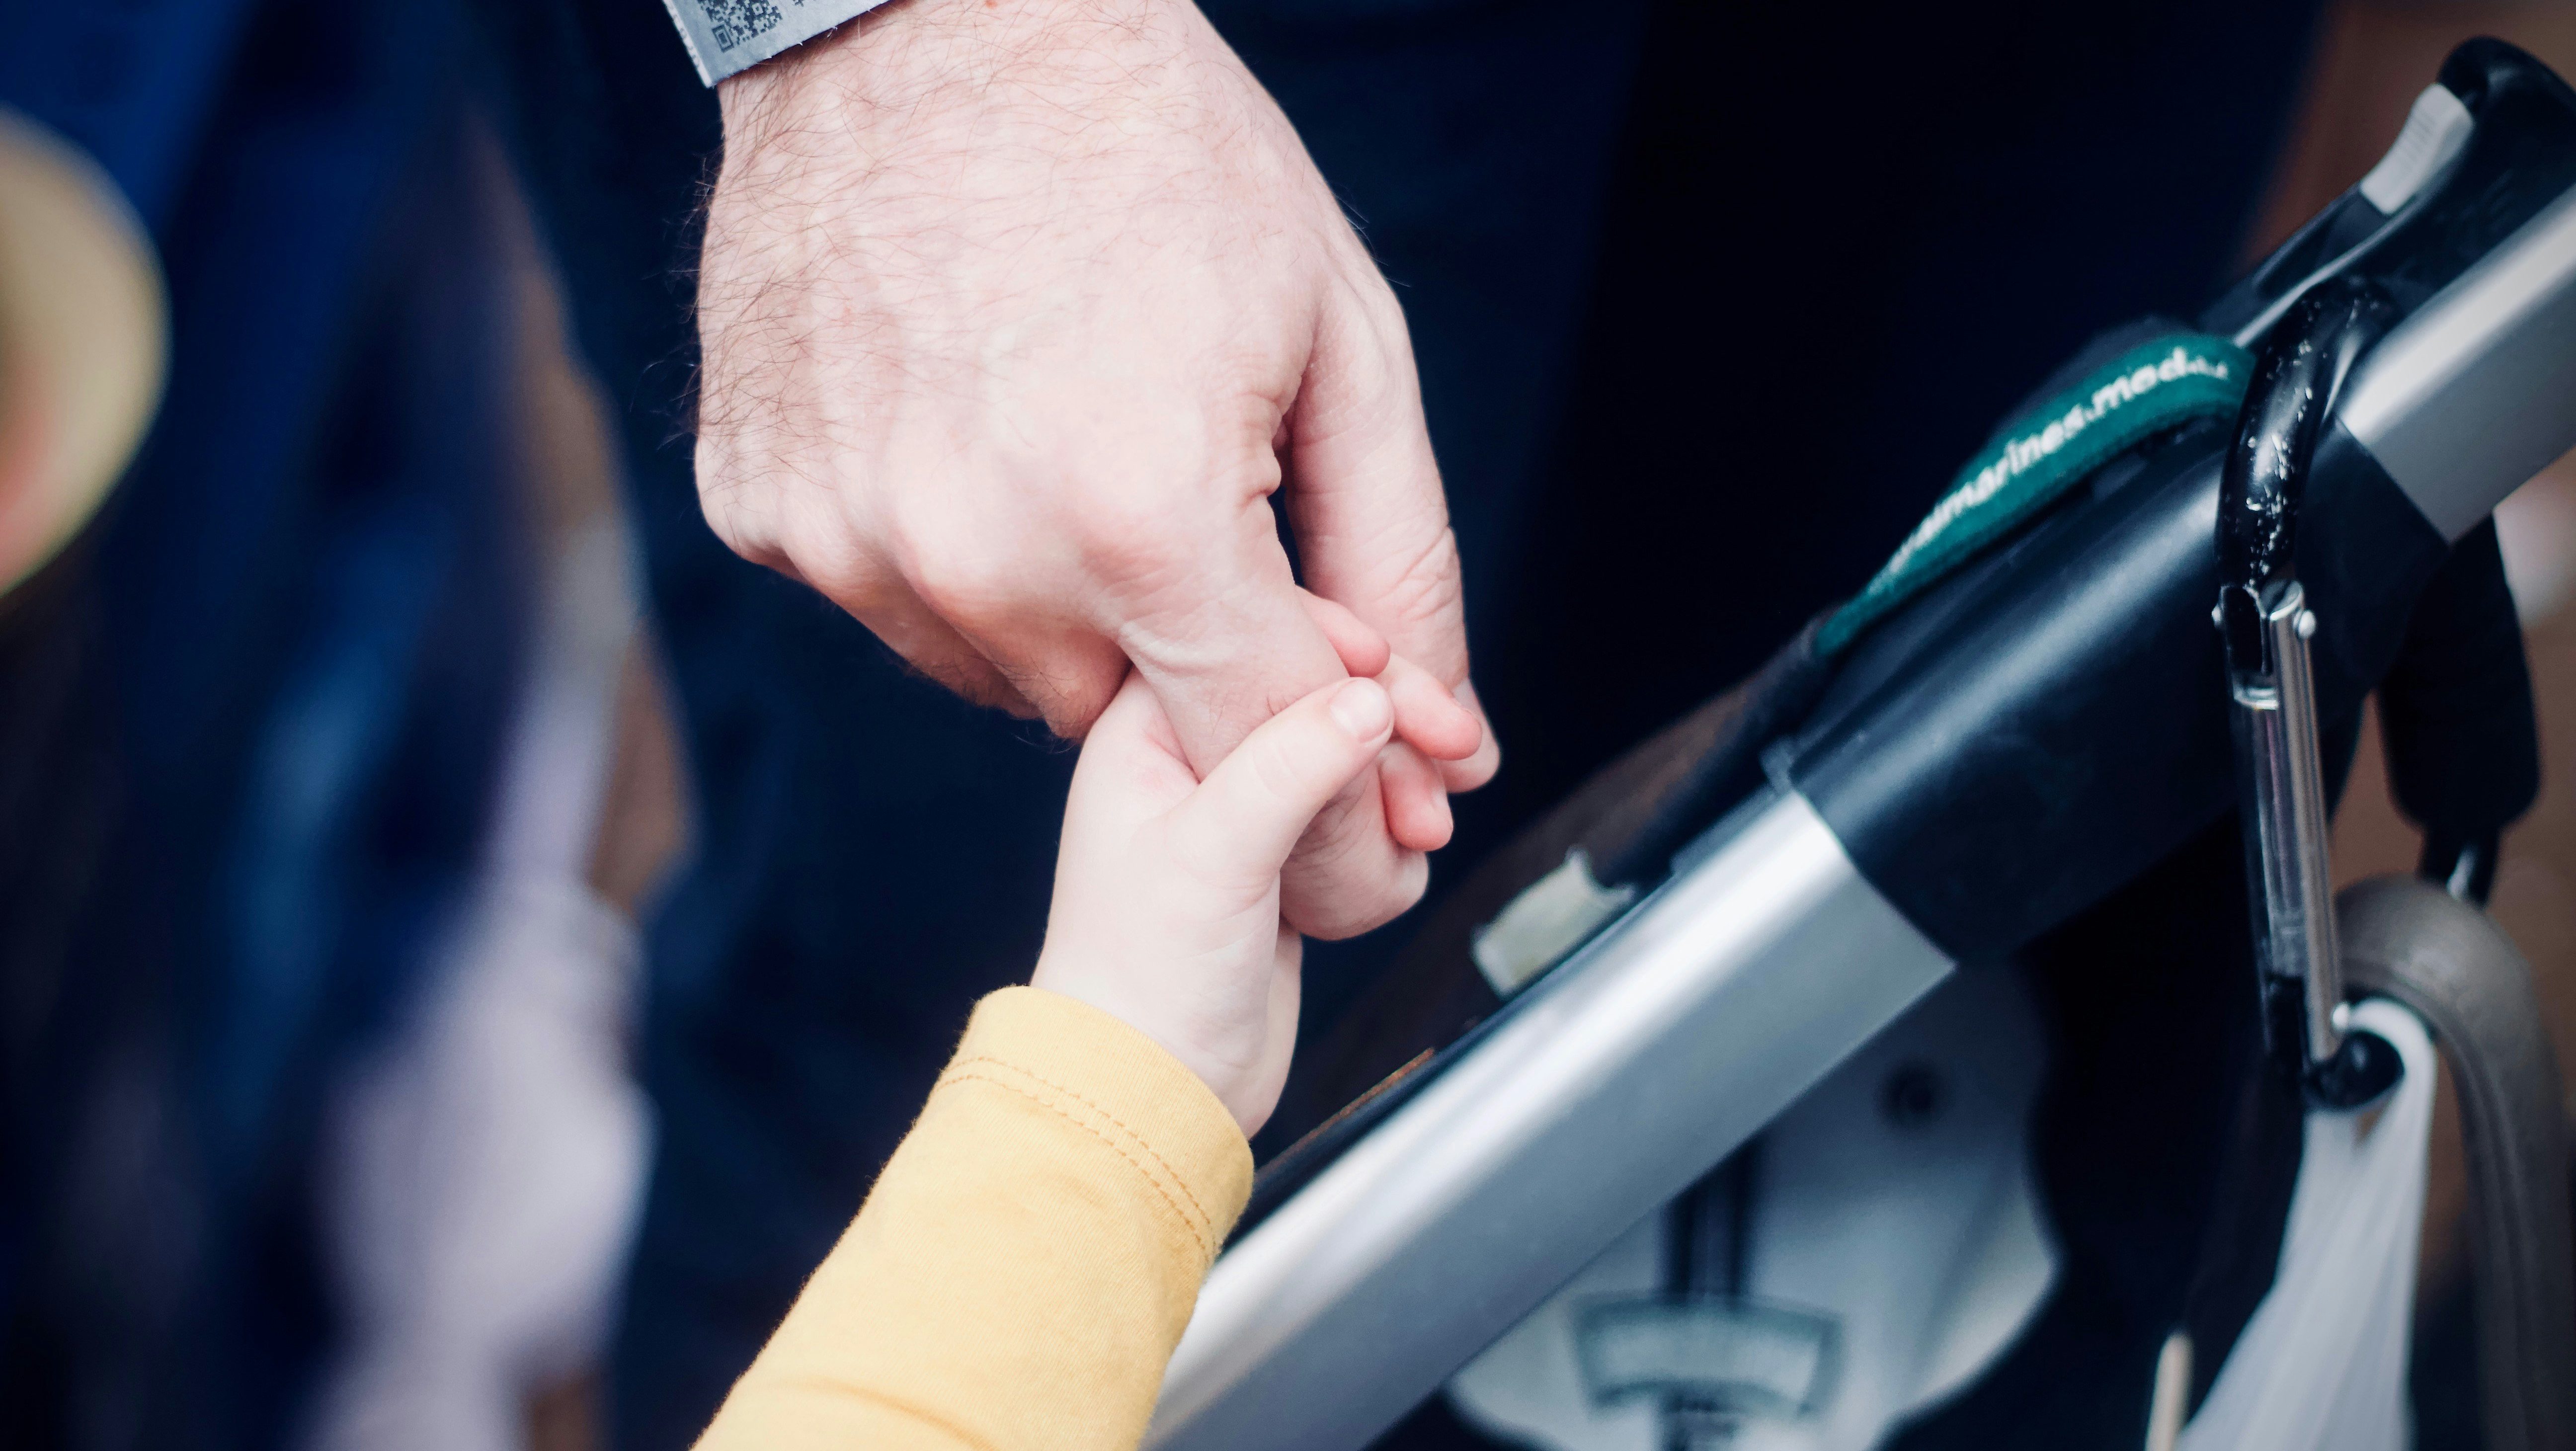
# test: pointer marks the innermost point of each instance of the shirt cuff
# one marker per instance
(725, 36)
(1093, 1068)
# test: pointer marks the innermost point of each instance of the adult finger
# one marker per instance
(1480, 765)
(1249, 813)
(1372, 526)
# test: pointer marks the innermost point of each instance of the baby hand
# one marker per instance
(1166, 909)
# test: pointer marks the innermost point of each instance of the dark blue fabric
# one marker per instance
(1670, 289)
(301, 611)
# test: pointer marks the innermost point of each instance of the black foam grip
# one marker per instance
(2456, 709)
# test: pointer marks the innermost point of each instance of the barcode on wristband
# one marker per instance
(732, 22)
(725, 36)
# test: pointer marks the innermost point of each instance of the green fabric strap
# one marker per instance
(2150, 388)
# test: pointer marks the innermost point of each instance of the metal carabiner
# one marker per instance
(2264, 617)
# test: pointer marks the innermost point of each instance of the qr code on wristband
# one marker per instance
(734, 21)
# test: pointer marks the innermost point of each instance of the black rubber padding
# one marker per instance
(2456, 713)
(2068, 726)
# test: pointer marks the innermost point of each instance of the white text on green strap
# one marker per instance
(2023, 453)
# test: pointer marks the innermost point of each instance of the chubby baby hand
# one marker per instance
(1166, 909)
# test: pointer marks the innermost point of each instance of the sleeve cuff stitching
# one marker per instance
(1142, 1142)
(1193, 1218)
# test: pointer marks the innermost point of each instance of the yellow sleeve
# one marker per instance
(1023, 1267)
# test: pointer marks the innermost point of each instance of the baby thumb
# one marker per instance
(1247, 816)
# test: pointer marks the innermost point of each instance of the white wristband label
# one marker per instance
(725, 36)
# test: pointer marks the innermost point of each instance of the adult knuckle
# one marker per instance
(958, 584)
(730, 523)
(1067, 689)
(961, 573)
(1083, 689)
(1382, 340)
(739, 517)
(1128, 533)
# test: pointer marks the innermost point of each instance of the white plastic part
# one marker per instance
(2323, 1362)
(1549, 919)
(1892, 1251)
(2435, 131)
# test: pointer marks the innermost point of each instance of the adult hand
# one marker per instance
(1015, 318)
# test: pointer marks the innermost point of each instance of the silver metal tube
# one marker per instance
(2476, 392)
(1624, 1075)
(2284, 785)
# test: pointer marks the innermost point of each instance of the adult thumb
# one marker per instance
(1371, 522)
(1247, 815)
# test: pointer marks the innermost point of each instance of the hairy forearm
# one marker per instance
(943, 109)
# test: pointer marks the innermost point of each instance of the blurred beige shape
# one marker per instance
(83, 342)
(486, 1164)
(2536, 529)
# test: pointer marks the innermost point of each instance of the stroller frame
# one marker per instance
(1775, 948)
